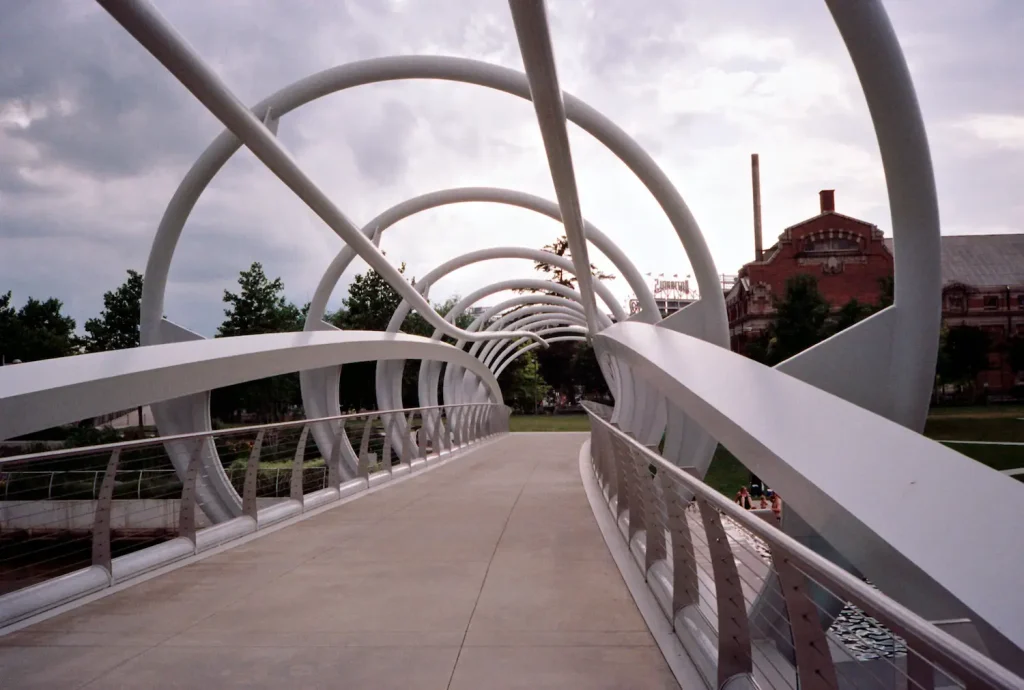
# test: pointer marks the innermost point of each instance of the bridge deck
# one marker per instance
(488, 572)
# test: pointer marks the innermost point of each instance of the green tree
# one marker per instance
(887, 292)
(587, 374)
(117, 327)
(522, 385)
(1015, 352)
(36, 331)
(370, 304)
(258, 307)
(559, 275)
(800, 319)
(849, 314)
(963, 354)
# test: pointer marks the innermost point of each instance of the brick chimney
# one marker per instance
(828, 200)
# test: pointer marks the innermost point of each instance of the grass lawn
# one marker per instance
(727, 474)
(549, 422)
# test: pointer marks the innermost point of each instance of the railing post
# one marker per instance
(334, 462)
(385, 453)
(685, 588)
(421, 436)
(734, 654)
(409, 439)
(295, 490)
(654, 520)
(252, 472)
(456, 431)
(364, 447)
(622, 491)
(187, 515)
(638, 490)
(815, 670)
(101, 518)
(438, 431)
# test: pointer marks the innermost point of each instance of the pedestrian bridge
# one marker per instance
(425, 546)
(488, 571)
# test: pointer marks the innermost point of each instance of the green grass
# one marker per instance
(727, 474)
(549, 422)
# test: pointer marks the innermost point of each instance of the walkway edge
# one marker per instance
(679, 662)
(232, 543)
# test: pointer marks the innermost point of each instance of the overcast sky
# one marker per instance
(95, 136)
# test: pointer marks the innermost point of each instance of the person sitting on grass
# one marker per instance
(743, 498)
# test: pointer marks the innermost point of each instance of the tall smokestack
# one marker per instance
(755, 178)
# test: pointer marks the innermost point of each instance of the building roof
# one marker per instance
(981, 260)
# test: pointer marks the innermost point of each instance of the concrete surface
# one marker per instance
(489, 572)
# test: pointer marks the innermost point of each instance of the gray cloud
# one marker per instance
(95, 136)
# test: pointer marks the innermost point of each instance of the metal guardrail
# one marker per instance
(706, 558)
(124, 509)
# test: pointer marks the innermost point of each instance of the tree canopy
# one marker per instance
(117, 327)
(39, 330)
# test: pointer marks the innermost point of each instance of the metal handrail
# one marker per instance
(145, 442)
(932, 642)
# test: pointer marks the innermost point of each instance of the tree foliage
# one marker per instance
(258, 307)
(522, 385)
(39, 330)
(117, 327)
(963, 354)
(369, 306)
(560, 247)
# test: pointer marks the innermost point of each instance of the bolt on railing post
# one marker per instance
(815, 670)
(734, 653)
(252, 470)
(295, 488)
(101, 519)
(187, 514)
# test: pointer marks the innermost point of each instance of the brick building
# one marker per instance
(849, 257)
(982, 278)
(983, 286)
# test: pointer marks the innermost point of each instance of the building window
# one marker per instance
(991, 302)
(955, 302)
(828, 245)
(1020, 301)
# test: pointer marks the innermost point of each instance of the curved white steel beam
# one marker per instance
(155, 34)
(564, 297)
(389, 375)
(494, 360)
(861, 481)
(533, 346)
(472, 390)
(524, 316)
(423, 67)
(459, 195)
(534, 36)
(38, 395)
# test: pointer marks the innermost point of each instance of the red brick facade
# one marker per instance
(999, 311)
(848, 257)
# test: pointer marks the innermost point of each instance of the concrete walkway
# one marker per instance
(489, 572)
